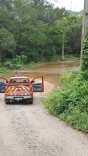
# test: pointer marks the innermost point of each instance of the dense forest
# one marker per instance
(34, 30)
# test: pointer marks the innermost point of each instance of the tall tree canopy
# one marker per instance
(35, 29)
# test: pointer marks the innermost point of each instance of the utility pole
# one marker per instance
(84, 26)
(63, 37)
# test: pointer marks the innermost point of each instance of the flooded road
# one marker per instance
(50, 70)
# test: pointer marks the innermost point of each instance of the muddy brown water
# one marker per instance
(50, 70)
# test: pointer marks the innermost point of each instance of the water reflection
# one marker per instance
(50, 71)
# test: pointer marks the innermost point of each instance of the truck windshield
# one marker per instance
(19, 80)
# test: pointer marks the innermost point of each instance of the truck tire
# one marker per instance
(7, 101)
(29, 101)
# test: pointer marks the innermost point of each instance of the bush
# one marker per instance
(8, 64)
(4, 70)
(67, 77)
(17, 66)
(19, 59)
(71, 103)
(16, 62)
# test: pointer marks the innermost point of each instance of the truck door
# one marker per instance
(38, 84)
(3, 83)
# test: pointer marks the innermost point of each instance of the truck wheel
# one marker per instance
(31, 101)
(7, 101)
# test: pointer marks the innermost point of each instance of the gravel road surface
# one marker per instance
(30, 130)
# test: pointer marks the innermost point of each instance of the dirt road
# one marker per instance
(30, 130)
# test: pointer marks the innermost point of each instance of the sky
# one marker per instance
(73, 5)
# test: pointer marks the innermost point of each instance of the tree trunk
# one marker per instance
(63, 47)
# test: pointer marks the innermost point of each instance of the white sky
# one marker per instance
(73, 5)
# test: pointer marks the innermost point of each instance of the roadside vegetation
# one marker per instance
(71, 102)
(33, 31)
(4, 70)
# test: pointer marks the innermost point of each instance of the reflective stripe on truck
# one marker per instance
(18, 90)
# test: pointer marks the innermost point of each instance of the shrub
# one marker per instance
(67, 77)
(17, 66)
(4, 70)
(71, 103)
(16, 62)
(8, 64)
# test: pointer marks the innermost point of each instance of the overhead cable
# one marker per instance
(76, 5)
(71, 4)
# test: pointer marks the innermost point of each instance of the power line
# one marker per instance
(71, 4)
(76, 5)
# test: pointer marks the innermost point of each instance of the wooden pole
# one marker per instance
(84, 26)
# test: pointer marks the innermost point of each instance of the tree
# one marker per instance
(71, 27)
(36, 29)
(7, 43)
